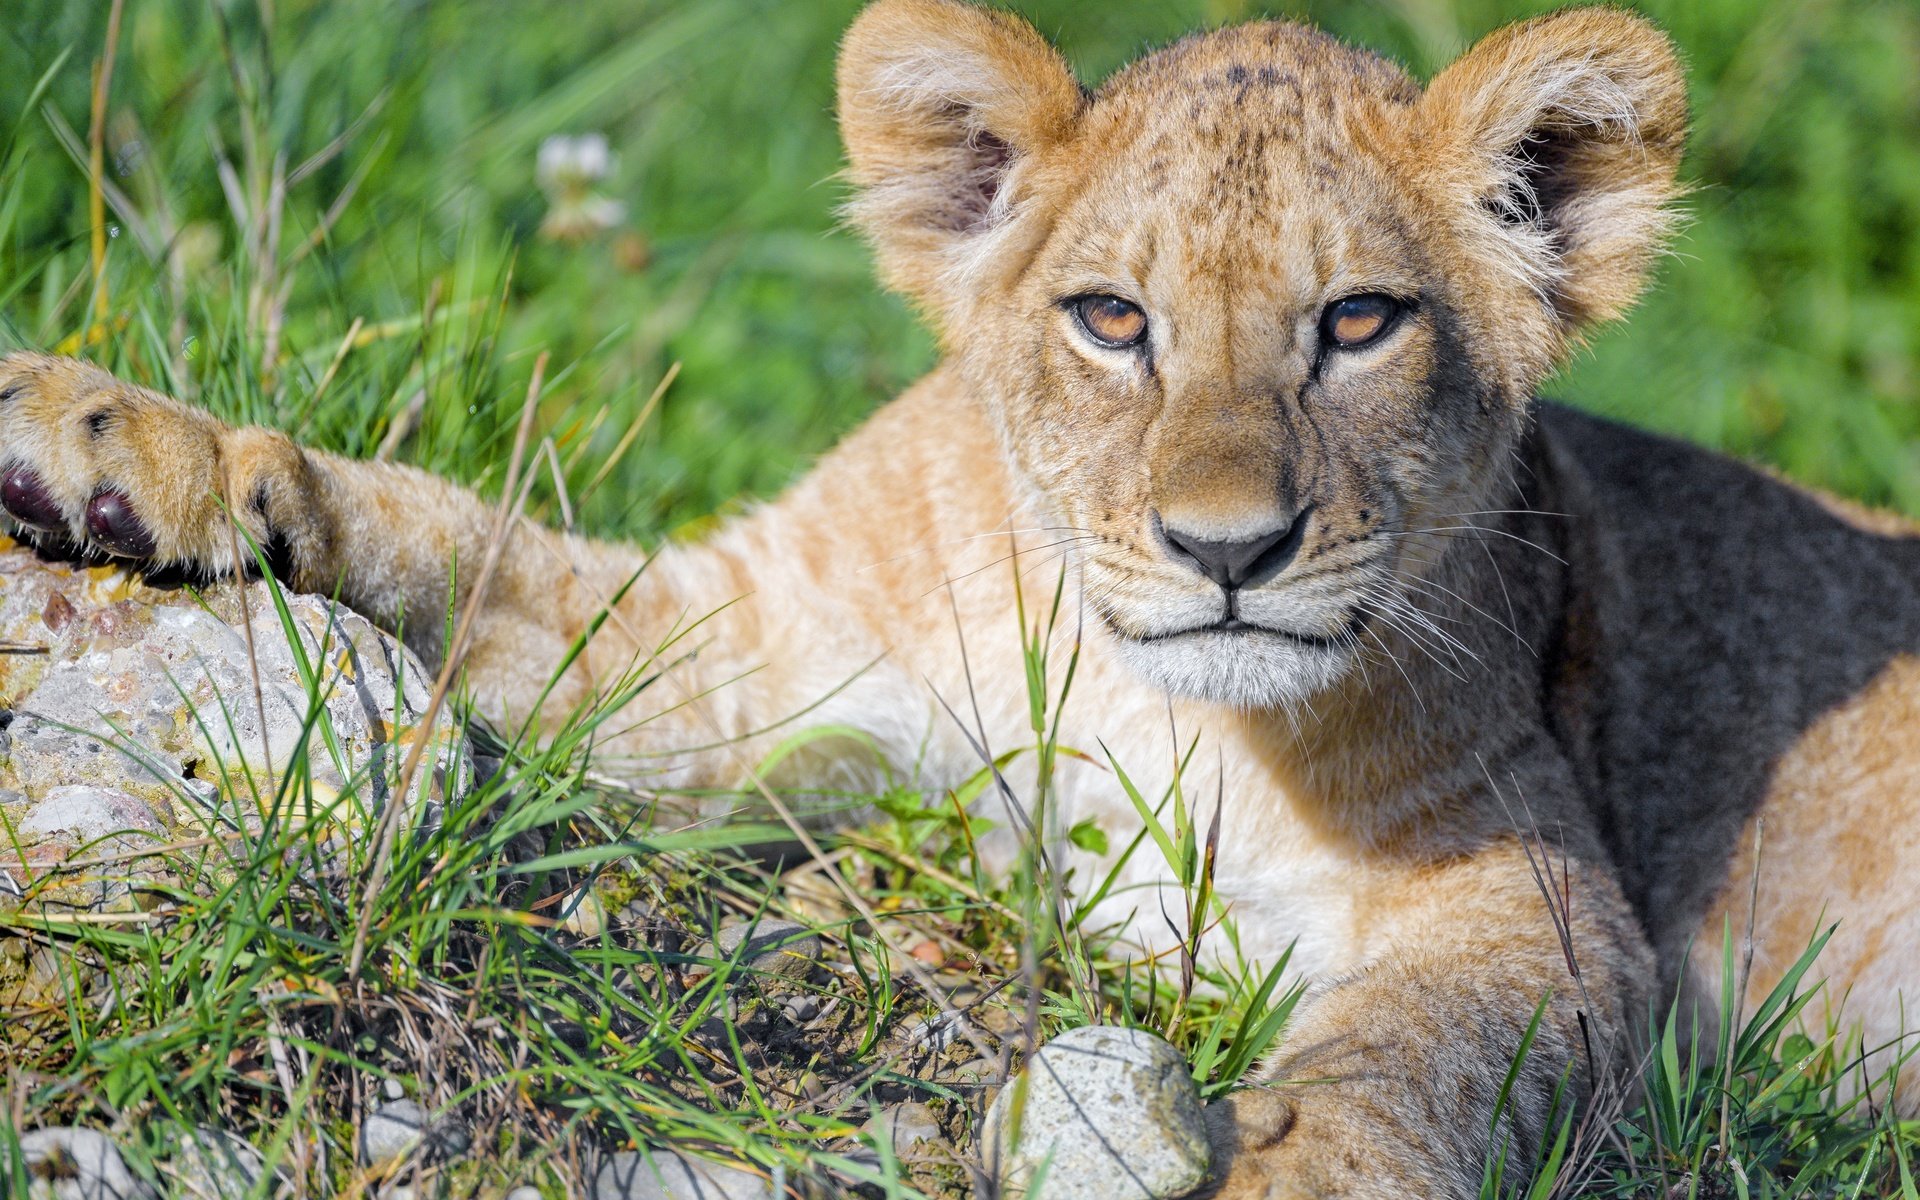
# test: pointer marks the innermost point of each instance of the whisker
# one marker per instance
(1403, 606)
(1002, 559)
(1442, 530)
(1512, 619)
(1387, 617)
(974, 537)
(1393, 658)
(1424, 585)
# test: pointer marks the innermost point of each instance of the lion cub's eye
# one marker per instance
(1111, 321)
(1357, 320)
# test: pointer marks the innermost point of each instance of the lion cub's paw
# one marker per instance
(133, 473)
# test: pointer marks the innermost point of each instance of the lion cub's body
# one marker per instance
(1752, 698)
(1501, 704)
(1732, 665)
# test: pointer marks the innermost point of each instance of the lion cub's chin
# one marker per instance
(1245, 669)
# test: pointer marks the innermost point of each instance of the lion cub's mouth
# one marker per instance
(1236, 626)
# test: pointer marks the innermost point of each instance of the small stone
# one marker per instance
(802, 1008)
(771, 947)
(585, 916)
(1111, 1112)
(211, 1164)
(70, 1163)
(910, 1128)
(974, 1070)
(935, 1033)
(664, 1175)
(397, 1129)
(394, 1089)
(525, 1191)
(392, 1131)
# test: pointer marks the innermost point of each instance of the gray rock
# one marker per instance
(150, 693)
(402, 1127)
(82, 815)
(525, 1191)
(70, 1163)
(664, 1175)
(910, 1128)
(139, 726)
(1111, 1113)
(771, 947)
(211, 1164)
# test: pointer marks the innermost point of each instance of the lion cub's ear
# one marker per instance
(1559, 139)
(943, 108)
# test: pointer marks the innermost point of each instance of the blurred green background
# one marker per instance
(1786, 328)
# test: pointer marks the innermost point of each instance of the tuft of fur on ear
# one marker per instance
(1558, 140)
(943, 107)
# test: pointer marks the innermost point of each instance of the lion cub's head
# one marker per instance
(1260, 304)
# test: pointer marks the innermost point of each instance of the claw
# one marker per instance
(27, 501)
(112, 524)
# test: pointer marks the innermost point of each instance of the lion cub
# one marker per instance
(1246, 343)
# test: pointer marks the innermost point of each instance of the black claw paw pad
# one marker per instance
(114, 528)
(27, 500)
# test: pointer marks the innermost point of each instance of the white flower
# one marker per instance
(568, 163)
(567, 168)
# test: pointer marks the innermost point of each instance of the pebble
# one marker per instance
(974, 1070)
(910, 1128)
(934, 1033)
(772, 947)
(585, 915)
(664, 1175)
(394, 1130)
(1113, 1114)
(525, 1191)
(83, 1164)
(802, 1008)
(212, 1164)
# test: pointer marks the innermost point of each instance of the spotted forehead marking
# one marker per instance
(1272, 61)
(1249, 109)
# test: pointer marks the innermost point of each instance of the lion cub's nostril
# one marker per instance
(27, 500)
(111, 522)
(1243, 562)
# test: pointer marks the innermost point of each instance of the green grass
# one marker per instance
(1786, 328)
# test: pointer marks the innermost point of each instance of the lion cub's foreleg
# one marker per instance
(1390, 1082)
(100, 464)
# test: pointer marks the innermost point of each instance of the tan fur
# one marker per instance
(1506, 639)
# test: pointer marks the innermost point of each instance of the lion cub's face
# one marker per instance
(1260, 318)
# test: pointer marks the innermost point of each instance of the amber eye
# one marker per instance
(1111, 321)
(1358, 320)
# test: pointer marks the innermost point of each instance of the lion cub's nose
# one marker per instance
(1237, 562)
